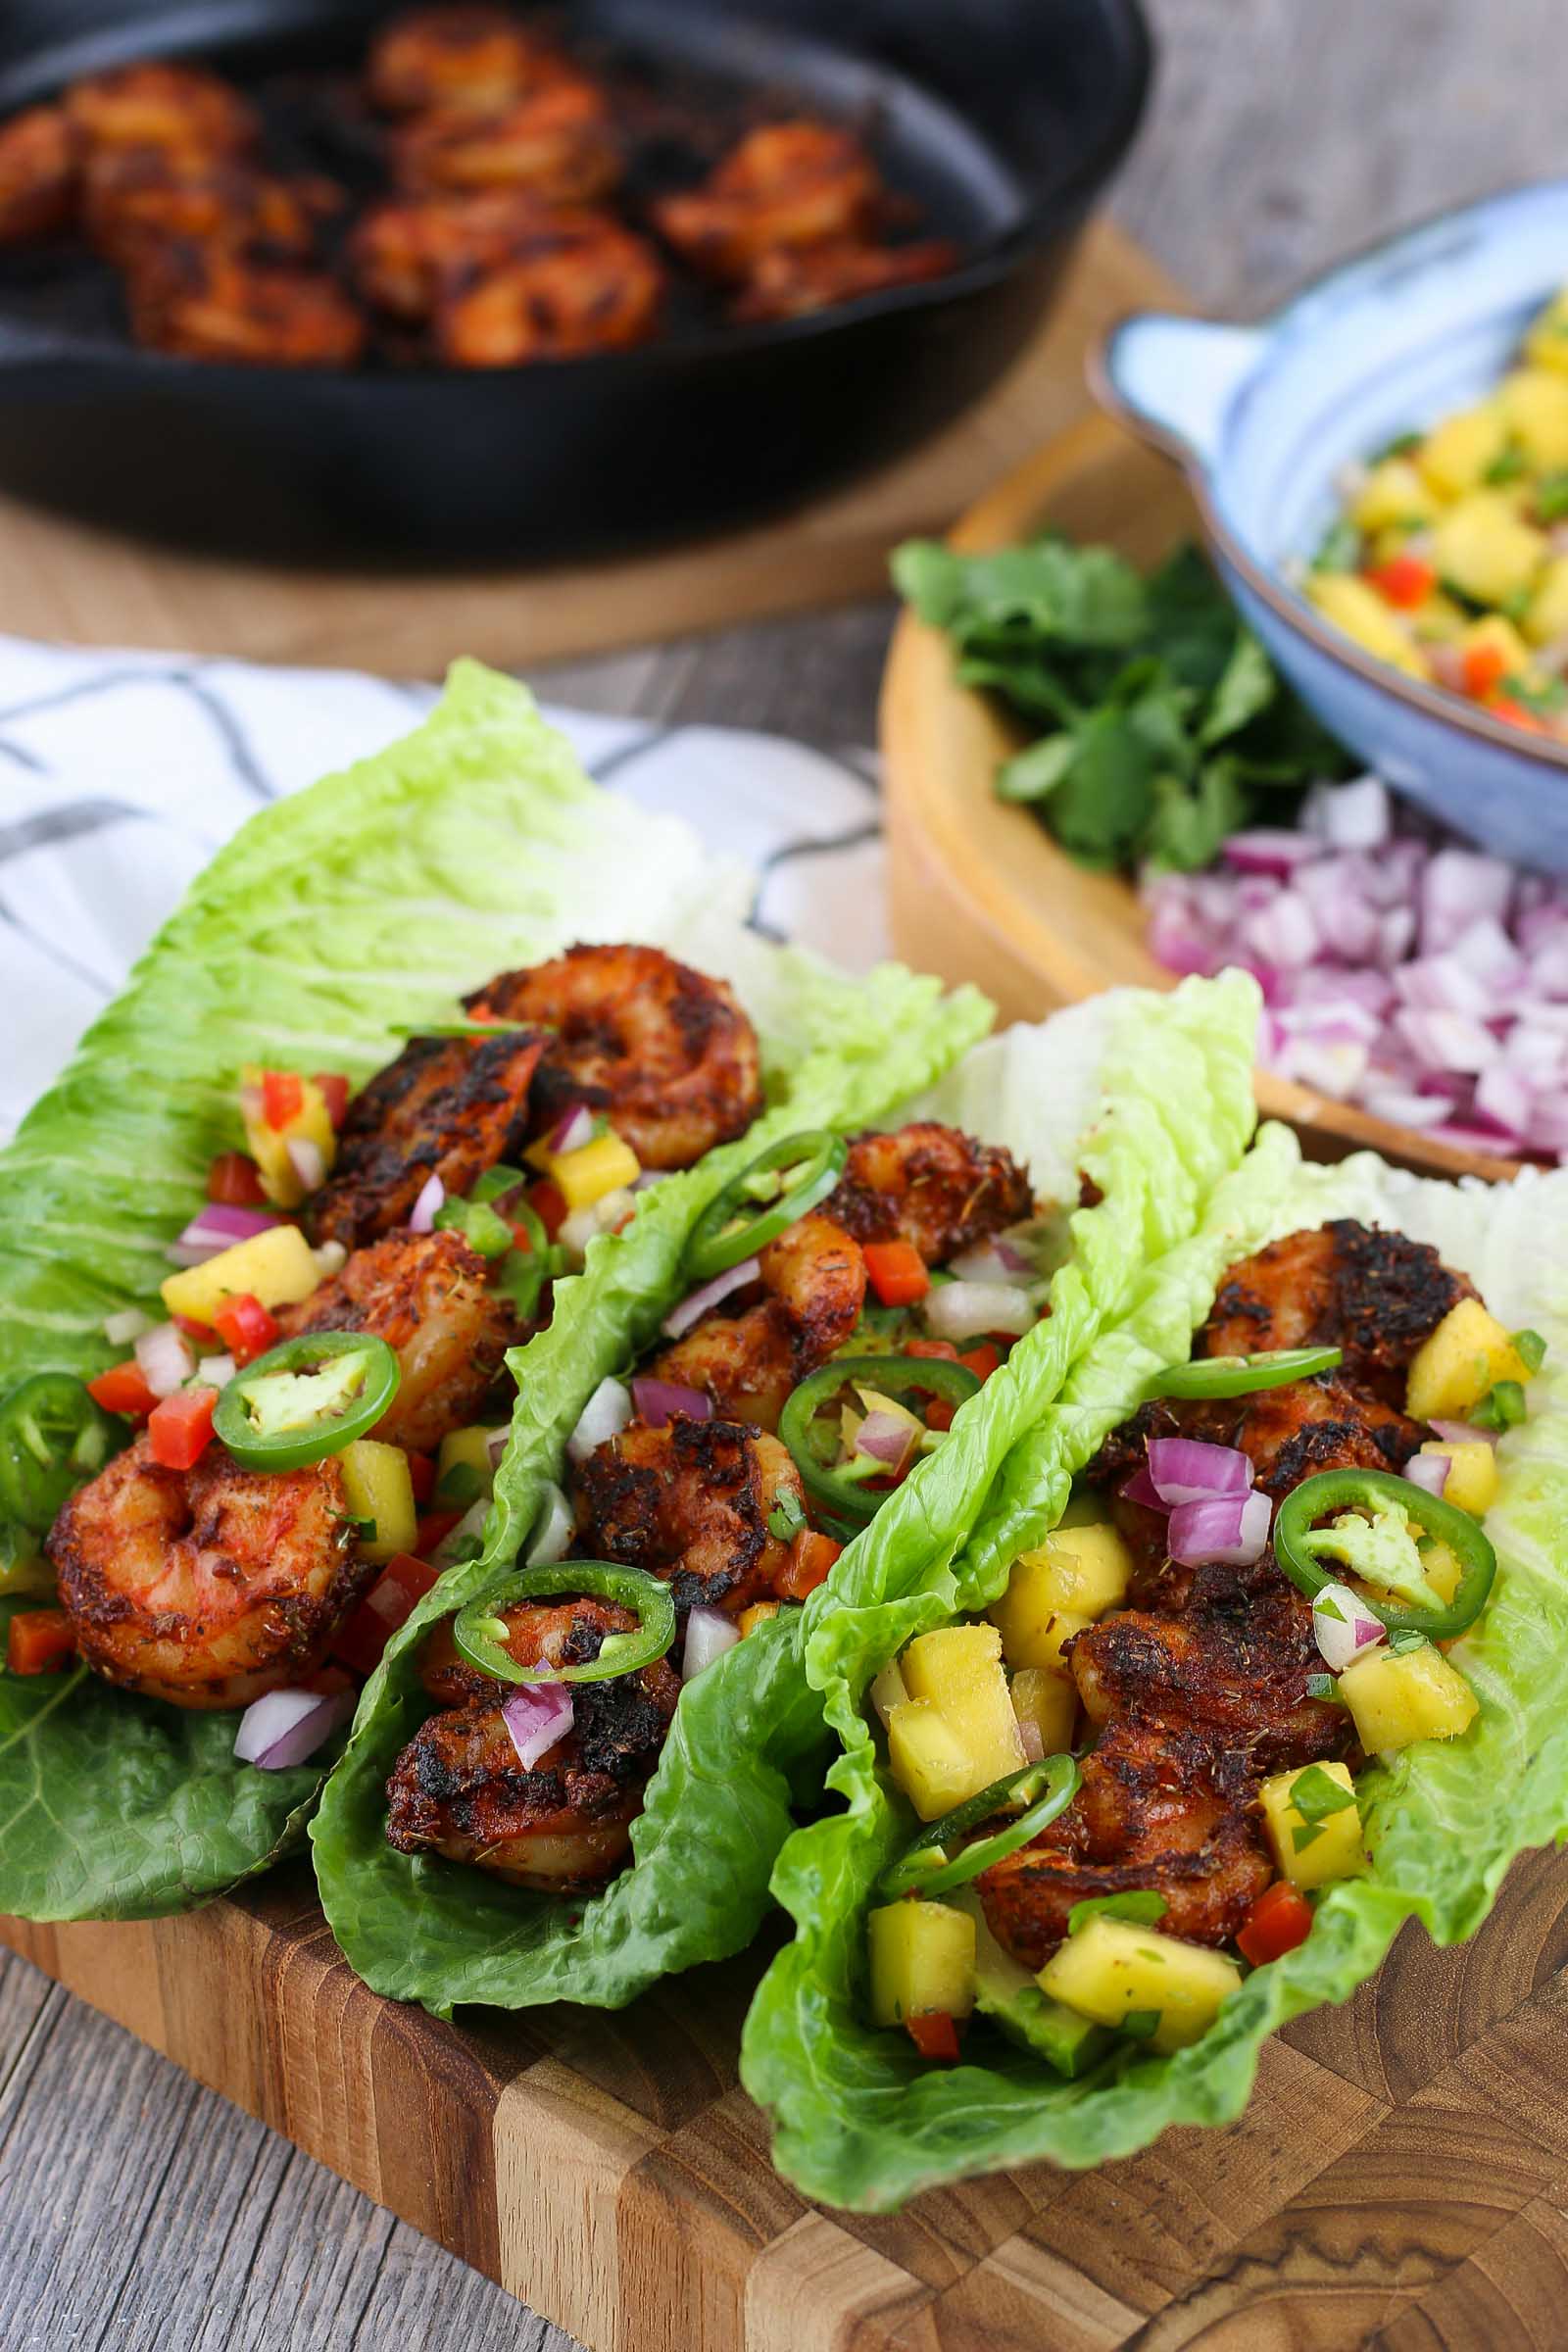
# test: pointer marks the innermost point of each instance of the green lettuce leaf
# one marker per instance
(1150, 1097)
(366, 902)
(861, 2121)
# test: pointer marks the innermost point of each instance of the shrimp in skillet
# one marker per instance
(473, 58)
(135, 196)
(408, 252)
(764, 1339)
(425, 1295)
(663, 1052)
(207, 1586)
(203, 302)
(1376, 1295)
(38, 160)
(931, 1186)
(563, 1825)
(575, 282)
(692, 1502)
(792, 284)
(180, 108)
(786, 186)
(555, 145)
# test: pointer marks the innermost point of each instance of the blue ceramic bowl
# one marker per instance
(1264, 417)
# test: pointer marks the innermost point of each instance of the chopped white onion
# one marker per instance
(700, 1302)
(553, 1531)
(129, 1324)
(330, 1259)
(308, 1161)
(993, 1262)
(214, 1372)
(421, 1216)
(603, 1417)
(284, 1728)
(968, 1310)
(1343, 1627)
(166, 1359)
(496, 1441)
(708, 1634)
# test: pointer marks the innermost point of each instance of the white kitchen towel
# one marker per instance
(122, 773)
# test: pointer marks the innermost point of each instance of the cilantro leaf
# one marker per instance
(1141, 1903)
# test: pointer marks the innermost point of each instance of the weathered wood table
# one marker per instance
(140, 2212)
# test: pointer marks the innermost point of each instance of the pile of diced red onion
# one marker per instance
(1400, 970)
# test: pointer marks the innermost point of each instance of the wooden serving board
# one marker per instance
(64, 579)
(1398, 2180)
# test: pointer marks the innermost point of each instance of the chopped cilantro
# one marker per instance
(1402, 445)
(1551, 497)
(1316, 1793)
(787, 1517)
(1502, 1407)
(1530, 1348)
(1141, 1903)
(1507, 465)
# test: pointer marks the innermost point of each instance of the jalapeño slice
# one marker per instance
(1045, 1789)
(750, 1211)
(1366, 1490)
(837, 1486)
(1243, 1375)
(52, 1437)
(480, 1630)
(307, 1399)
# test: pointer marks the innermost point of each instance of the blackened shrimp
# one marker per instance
(174, 107)
(929, 1185)
(666, 1054)
(207, 1586)
(1376, 1295)
(407, 252)
(786, 188)
(575, 282)
(38, 160)
(562, 1824)
(792, 284)
(694, 1502)
(764, 1339)
(202, 301)
(555, 145)
(474, 57)
(448, 1106)
(425, 1295)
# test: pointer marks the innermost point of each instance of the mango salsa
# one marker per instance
(377, 1487)
(1398, 1697)
(957, 1673)
(1467, 1355)
(922, 1962)
(1314, 1823)
(275, 1267)
(1121, 1974)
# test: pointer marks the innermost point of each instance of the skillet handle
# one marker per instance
(1173, 380)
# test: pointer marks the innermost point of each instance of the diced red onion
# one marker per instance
(708, 1634)
(165, 1357)
(1034, 1745)
(885, 1437)
(993, 1261)
(658, 1401)
(421, 1216)
(284, 1728)
(1187, 1470)
(1343, 1627)
(1462, 1432)
(967, 1311)
(553, 1531)
(128, 1325)
(573, 1129)
(496, 1441)
(538, 1716)
(1140, 1489)
(1429, 1471)
(1228, 1528)
(307, 1161)
(215, 1229)
(700, 1302)
(603, 1417)
(1349, 817)
(1269, 850)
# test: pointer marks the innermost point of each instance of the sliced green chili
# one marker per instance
(1045, 1789)
(307, 1399)
(1365, 1490)
(483, 1227)
(743, 1219)
(481, 1630)
(52, 1436)
(834, 1483)
(1243, 1375)
(499, 1179)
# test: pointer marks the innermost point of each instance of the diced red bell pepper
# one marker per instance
(234, 1180)
(328, 1681)
(899, 1273)
(939, 1413)
(181, 1428)
(983, 1359)
(1404, 580)
(201, 1333)
(1483, 666)
(941, 1351)
(1504, 706)
(933, 2034)
(124, 1389)
(389, 1604)
(39, 1641)
(548, 1203)
(335, 1095)
(421, 1475)
(282, 1097)
(1279, 1920)
(812, 1557)
(246, 1328)
(433, 1530)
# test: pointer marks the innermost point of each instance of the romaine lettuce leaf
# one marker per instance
(1152, 1097)
(862, 2122)
(369, 901)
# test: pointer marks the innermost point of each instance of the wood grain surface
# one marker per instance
(138, 2209)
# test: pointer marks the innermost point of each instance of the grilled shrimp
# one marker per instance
(793, 284)
(207, 1586)
(786, 186)
(205, 303)
(664, 1053)
(1157, 1808)
(425, 1294)
(136, 196)
(407, 252)
(474, 59)
(180, 108)
(752, 1351)
(1238, 1679)
(457, 1789)
(555, 145)
(447, 1107)
(929, 1185)
(692, 1502)
(1376, 1295)
(38, 158)
(576, 283)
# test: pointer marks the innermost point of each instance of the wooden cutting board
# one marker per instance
(1399, 2178)
(63, 579)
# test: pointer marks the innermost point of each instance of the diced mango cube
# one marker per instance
(275, 1267)
(1546, 344)
(377, 1486)
(958, 1671)
(761, 1612)
(1534, 406)
(1472, 1480)
(1117, 1971)
(468, 1448)
(1467, 1354)
(1393, 494)
(1484, 548)
(1398, 1697)
(1361, 614)
(1320, 1838)
(1048, 1703)
(1546, 616)
(312, 1124)
(594, 1169)
(929, 1762)
(1442, 1569)
(922, 1962)
(1496, 634)
(1456, 454)
(1054, 1592)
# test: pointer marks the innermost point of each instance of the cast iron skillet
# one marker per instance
(1002, 118)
